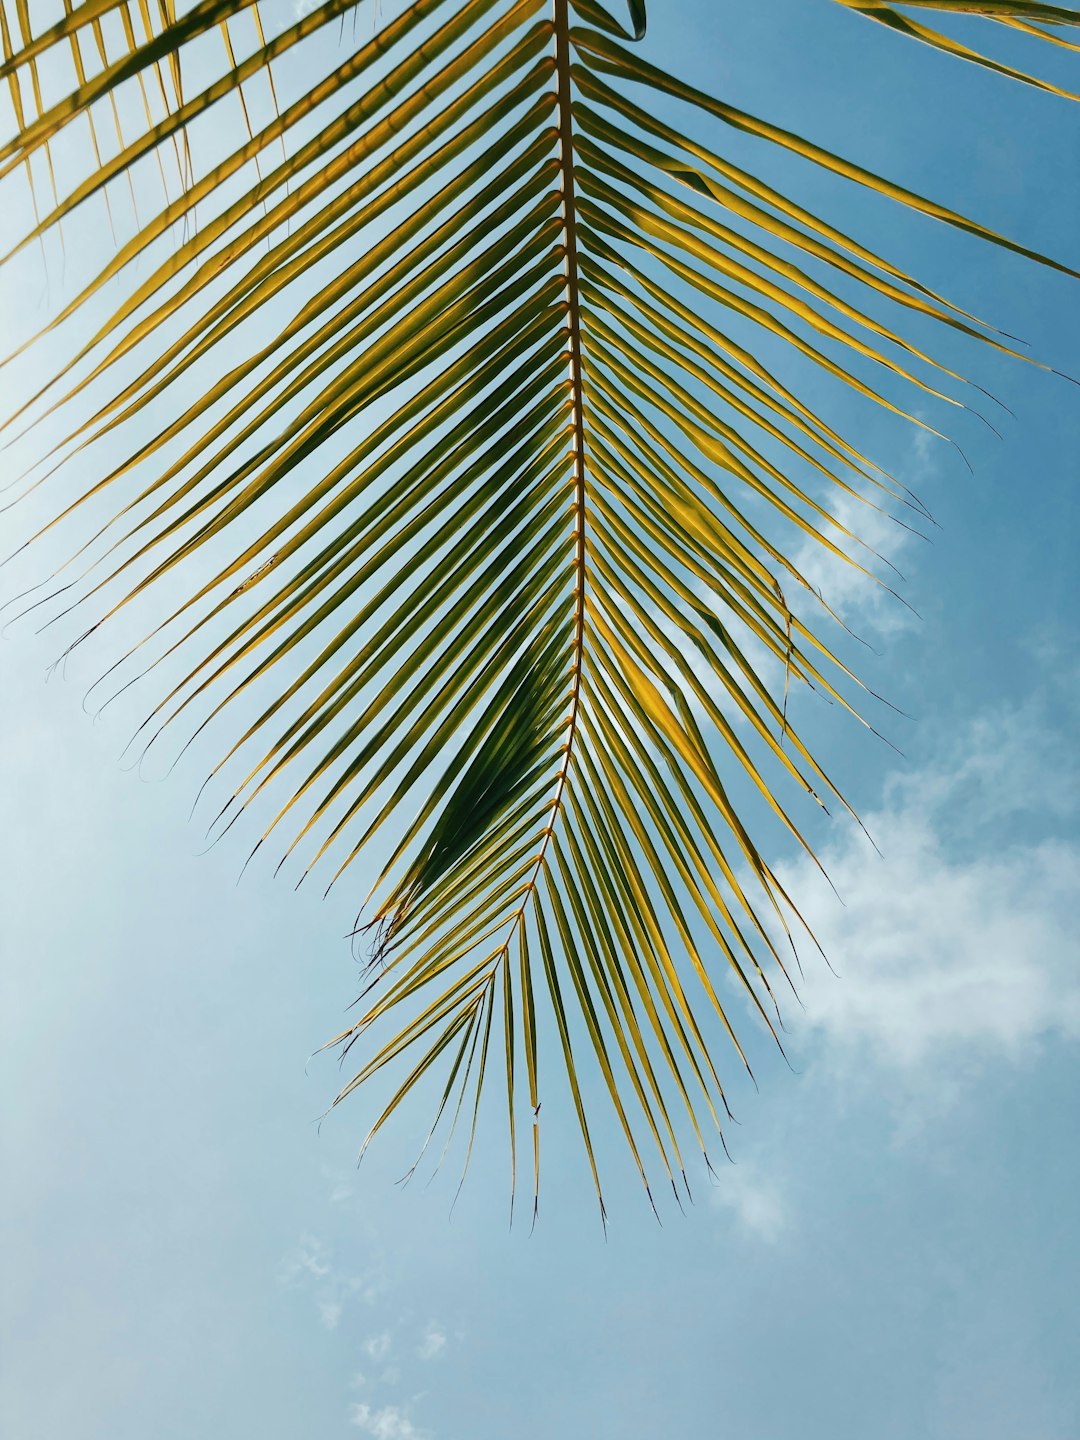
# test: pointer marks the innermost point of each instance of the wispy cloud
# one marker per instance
(879, 535)
(310, 1259)
(754, 1198)
(865, 603)
(310, 1266)
(378, 1347)
(960, 943)
(388, 1422)
(433, 1342)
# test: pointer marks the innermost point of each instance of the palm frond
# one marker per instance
(474, 506)
(1049, 23)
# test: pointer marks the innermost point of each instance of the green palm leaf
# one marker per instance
(1049, 23)
(476, 545)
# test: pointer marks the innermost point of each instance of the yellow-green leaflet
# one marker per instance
(1039, 21)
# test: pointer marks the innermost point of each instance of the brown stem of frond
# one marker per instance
(577, 424)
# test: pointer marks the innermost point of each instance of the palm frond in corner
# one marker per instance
(473, 494)
(1053, 24)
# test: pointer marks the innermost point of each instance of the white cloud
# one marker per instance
(311, 1259)
(959, 945)
(753, 1199)
(310, 1267)
(860, 601)
(387, 1423)
(377, 1347)
(887, 529)
(364, 1289)
(433, 1343)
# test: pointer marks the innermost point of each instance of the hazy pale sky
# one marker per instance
(893, 1253)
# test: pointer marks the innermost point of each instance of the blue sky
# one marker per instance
(893, 1253)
